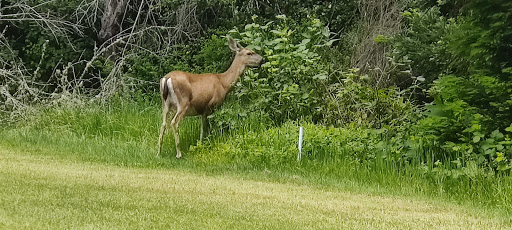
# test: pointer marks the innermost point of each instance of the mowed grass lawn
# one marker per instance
(42, 192)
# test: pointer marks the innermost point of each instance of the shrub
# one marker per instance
(292, 81)
(421, 50)
(353, 100)
(463, 57)
(470, 117)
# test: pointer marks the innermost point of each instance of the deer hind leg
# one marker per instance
(165, 112)
(180, 114)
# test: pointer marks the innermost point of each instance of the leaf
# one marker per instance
(320, 76)
(509, 129)
(497, 134)
(254, 47)
(329, 43)
(503, 167)
(306, 35)
(507, 70)
(276, 32)
(325, 31)
(304, 42)
(475, 51)
(437, 110)
(476, 139)
(281, 16)
(500, 157)
(438, 100)
(481, 160)
(505, 142)
(279, 46)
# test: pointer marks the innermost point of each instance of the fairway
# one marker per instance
(40, 192)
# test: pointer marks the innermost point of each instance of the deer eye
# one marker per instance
(250, 54)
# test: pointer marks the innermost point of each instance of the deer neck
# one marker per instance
(230, 77)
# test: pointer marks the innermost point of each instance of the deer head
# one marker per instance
(245, 55)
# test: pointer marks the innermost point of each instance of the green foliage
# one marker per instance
(470, 117)
(421, 49)
(475, 41)
(234, 117)
(463, 55)
(148, 68)
(339, 14)
(353, 100)
(292, 80)
(213, 56)
(323, 146)
(42, 53)
(484, 37)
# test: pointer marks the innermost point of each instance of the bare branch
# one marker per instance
(379, 17)
(57, 26)
(21, 89)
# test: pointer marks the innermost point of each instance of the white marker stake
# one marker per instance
(300, 143)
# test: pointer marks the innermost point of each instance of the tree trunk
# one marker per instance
(112, 18)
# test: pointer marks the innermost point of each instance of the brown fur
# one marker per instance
(200, 94)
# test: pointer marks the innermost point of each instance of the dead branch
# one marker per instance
(378, 17)
(21, 89)
(57, 26)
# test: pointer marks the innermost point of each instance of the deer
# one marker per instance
(189, 94)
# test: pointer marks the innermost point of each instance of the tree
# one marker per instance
(112, 17)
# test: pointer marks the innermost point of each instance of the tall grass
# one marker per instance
(359, 159)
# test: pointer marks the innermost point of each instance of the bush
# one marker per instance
(482, 42)
(470, 117)
(421, 50)
(463, 58)
(292, 81)
(353, 100)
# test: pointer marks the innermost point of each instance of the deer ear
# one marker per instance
(233, 45)
(239, 46)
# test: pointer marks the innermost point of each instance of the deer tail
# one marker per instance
(164, 89)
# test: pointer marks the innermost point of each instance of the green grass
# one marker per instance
(124, 134)
(48, 192)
